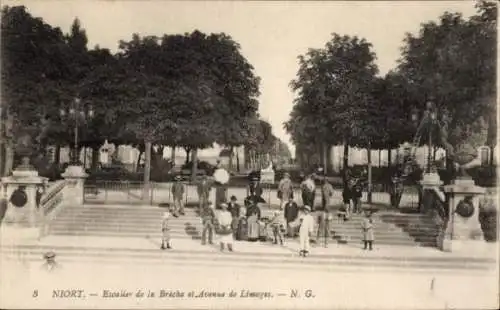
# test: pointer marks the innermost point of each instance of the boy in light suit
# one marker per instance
(306, 230)
(165, 230)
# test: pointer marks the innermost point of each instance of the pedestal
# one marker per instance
(463, 232)
(24, 211)
(430, 182)
(75, 185)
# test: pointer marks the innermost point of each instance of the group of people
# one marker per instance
(322, 219)
(244, 222)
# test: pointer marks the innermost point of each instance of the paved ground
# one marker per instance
(161, 194)
(291, 246)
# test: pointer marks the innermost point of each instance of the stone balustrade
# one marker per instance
(456, 209)
(51, 203)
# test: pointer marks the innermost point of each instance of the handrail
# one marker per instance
(438, 213)
(49, 202)
(52, 196)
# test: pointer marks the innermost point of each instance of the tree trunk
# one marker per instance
(188, 152)
(231, 149)
(138, 163)
(95, 158)
(8, 146)
(491, 135)
(389, 157)
(57, 155)
(238, 161)
(329, 159)
(369, 196)
(325, 158)
(172, 155)
(147, 172)
(346, 157)
(434, 151)
(158, 157)
(2, 150)
(84, 158)
(194, 160)
(345, 165)
(9, 159)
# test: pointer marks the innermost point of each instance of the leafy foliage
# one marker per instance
(452, 62)
(187, 90)
(335, 100)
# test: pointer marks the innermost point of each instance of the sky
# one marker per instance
(272, 34)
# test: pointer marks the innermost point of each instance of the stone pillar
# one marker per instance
(75, 180)
(23, 216)
(24, 209)
(463, 232)
(430, 182)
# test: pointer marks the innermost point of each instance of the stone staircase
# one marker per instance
(390, 228)
(123, 221)
(131, 234)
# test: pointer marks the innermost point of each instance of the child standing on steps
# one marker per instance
(278, 226)
(367, 227)
(305, 231)
(165, 230)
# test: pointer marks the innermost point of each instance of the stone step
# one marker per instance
(197, 236)
(123, 225)
(143, 221)
(257, 259)
(182, 227)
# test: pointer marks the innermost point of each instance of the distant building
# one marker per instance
(381, 158)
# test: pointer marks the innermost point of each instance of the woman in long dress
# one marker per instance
(253, 217)
(242, 232)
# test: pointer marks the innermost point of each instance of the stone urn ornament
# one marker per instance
(24, 148)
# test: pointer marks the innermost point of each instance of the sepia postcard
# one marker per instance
(249, 155)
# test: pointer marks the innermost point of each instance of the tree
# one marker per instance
(33, 65)
(261, 141)
(335, 82)
(204, 90)
(281, 152)
(452, 63)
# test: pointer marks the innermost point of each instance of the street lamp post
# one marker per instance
(77, 113)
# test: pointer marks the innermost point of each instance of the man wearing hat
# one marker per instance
(207, 215)
(291, 213)
(50, 262)
(178, 194)
(306, 230)
(308, 188)
(234, 208)
(203, 188)
(396, 190)
(285, 190)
